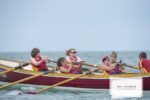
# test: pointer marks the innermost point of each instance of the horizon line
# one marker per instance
(81, 51)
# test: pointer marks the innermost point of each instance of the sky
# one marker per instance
(87, 25)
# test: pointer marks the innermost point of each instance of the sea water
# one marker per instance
(18, 92)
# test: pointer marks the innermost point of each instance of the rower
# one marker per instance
(115, 62)
(113, 58)
(107, 66)
(64, 67)
(72, 58)
(38, 62)
(144, 63)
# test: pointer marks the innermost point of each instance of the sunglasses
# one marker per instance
(74, 52)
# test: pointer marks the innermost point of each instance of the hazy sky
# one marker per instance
(56, 25)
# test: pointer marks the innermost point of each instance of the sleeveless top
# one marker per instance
(145, 63)
(76, 59)
(114, 71)
(41, 66)
(74, 70)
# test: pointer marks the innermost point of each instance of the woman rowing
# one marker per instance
(64, 67)
(113, 58)
(72, 58)
(144, 63)
(115, 62)
(38, 61)
(107, 66)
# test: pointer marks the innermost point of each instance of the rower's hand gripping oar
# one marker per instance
(60, 83)
(139, 68)
(25, 79)
(16, 68)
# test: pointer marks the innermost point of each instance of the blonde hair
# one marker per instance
(68, 51)
(114, 54)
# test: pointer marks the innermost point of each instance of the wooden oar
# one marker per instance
(91, 65)
(135, 67)
(52, 61)
(60, 83)
(142, 68)
(87, 64)
(18, 67)
(81, 62)
(25, 79)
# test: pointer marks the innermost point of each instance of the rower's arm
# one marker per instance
(35, 63)
(107, 68)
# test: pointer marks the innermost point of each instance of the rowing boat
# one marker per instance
(92, 81)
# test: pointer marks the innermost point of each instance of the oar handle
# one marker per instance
(132, 67)
(91, 65)
(84, 63)
(21, 66)
(52, 61)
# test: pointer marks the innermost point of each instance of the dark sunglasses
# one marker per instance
(74, 52)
